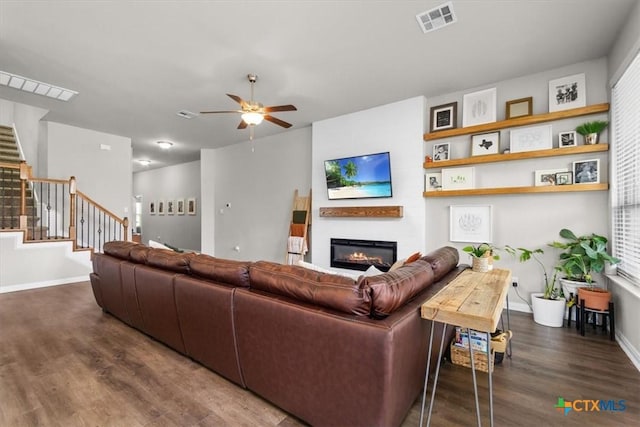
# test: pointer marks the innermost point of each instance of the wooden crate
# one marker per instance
(460, 356)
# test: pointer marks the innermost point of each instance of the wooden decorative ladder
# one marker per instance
(297, 240)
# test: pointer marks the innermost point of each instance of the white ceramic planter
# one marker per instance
(548, 312)
(570, 286)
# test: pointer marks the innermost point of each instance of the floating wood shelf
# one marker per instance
(519, 121)
(518, 190)
(363, 211)
(493, 158)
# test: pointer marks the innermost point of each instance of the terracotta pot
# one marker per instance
(595, 298)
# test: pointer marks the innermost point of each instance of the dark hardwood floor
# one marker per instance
(65, 363)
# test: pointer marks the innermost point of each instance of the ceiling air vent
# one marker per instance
(186, 114)
(436, 18)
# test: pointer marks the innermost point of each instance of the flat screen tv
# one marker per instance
(359, 177)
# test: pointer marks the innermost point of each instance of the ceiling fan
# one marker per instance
(253, 112)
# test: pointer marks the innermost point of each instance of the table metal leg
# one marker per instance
(435, 379)
(489, 364)
(426, 375)
(473, 374)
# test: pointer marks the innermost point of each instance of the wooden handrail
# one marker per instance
(99, 206)
(9, 165)
(50, 181)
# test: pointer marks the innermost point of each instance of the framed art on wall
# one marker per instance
(191, 206)
(567, 139)
(458, 178)
(152, 207)
(171, 207)
(567, 92)
(433, 181)
(441, 152)
(479, 107)
(547, 177)
(444, 117)
(485, 143)
(519, 108)
(160, 207)
(471, 223)
(586, 171)
(180, 206)
(530, 138)
(564, 178)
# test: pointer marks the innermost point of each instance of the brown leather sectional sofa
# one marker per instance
(325, 348)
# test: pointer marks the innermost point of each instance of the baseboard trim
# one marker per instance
(629, 350)
(518, 306)
(28, 286)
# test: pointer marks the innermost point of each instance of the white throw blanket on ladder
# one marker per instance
(296, 248)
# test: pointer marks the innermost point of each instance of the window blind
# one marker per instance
(625, 194)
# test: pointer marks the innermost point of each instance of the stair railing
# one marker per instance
(57, 211)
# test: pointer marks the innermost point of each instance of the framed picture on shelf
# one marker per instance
(433, 181)
(180, 206)
(564, 178)
(586, 171)
(519, 108)
(471, 223)
(567, 139)
(547, 177)
(458, 178)
(444, 117)
(485, 143)
(152, 207)
(567, 92)
(160, 207)
(479, 107)
(441, 152)
(191, 206)
(530, 138)
(171, 207)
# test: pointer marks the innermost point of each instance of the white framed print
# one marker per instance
(441, 152)
(567, 139)
(547, 177)
(152, 207)
(180, 206)
(471, 223)
(433, 181)
(485, 143)
(479, 107)
(458, 178)
(191, 206)
(161, 207)
(586, 171)
(530, 138)
(568, 92)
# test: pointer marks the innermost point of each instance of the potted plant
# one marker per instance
(591, 130)
(482, 256)
(582, 256)
(548, 306)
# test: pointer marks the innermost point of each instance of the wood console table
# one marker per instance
(473, 301)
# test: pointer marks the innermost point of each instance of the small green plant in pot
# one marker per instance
(482, 255)
(591, 130)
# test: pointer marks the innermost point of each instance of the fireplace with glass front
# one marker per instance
(361, 254)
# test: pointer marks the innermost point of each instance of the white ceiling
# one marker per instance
(135, 64)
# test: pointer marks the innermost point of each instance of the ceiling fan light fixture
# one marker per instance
(144, 162)
(252, 118)
(165, 145)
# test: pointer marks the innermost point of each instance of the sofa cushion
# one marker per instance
(167, 259)
(119, 248)
(139, 254)
(327, 290)
(393, 289)
(220, 270)
(442, 260)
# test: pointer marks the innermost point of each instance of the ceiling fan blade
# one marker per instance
(239, 100)
(280, 108)
(242, 124)
(277, 121)
(216, 112)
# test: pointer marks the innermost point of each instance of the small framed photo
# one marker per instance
(180, 206)
(161, 207)
(152, 207)
(191, 206)
(171, 207)
(479, 107)
(547, 177)
(485, 143)
(519, 108)
(433, 181)
(564, 178)
(444, 117)
(586, 171)
(567, 92)
(530, 138)
(567, 139)
(471, 223)
(441, 152)
(458, 178)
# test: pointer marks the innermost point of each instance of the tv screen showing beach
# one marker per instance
(359, 177)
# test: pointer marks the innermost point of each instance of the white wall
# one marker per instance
(527, 220)
(170, 183)
(103, 175)
(257, 179)
(396, 128)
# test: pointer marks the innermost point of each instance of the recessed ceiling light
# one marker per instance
(144, 162)
(437, 17)
(165, 145)
(33, 86)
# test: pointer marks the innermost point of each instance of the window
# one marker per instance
(625, 194)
